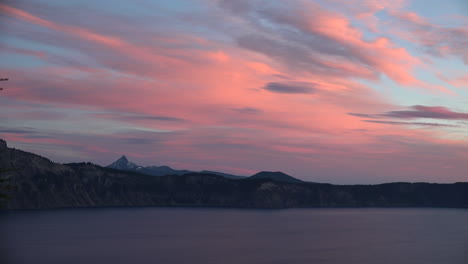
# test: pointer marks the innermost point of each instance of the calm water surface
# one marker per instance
(180, 235)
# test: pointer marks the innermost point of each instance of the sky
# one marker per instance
(338, 91)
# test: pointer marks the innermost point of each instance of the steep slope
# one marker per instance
(41, 183)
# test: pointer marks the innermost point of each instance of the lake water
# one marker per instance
(182, 235)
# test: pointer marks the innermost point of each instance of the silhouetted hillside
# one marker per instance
(41, 183)
(275, 176)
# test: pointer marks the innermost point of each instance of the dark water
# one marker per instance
(157, 235)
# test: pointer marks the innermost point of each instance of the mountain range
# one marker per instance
(40, 183)
(123, 164)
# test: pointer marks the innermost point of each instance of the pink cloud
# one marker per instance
(459, 82)
(394, 62)
(379, 54)
(83, 33)
(28, 52)
(437, 40)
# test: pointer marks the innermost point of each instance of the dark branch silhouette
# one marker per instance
(3, 79)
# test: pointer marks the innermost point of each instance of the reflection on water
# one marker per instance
(181, 235)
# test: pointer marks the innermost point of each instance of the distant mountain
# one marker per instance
(123, 164)
(41, 183)
(276, 176)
